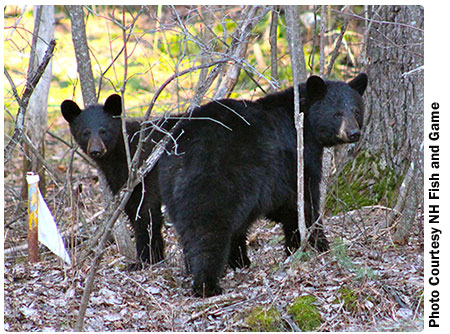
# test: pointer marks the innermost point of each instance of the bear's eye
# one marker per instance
(338, 114)
(102, 131)
(86, 133)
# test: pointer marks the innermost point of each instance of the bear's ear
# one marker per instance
(70, 110)
(113, 105)
(359, 83)
(316, 88)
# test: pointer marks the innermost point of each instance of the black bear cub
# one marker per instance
(98, 131)
(234, 162)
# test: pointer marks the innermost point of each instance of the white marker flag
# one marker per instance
(47, 230)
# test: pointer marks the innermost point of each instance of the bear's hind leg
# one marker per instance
(206, 251)
(156, 239)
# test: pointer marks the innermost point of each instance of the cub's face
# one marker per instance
(97, 128)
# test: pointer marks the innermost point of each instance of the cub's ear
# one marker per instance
(316, 88)
(359, 83)
(70, 110)
(113, 105)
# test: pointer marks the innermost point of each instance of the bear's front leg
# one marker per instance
(148, 238)
(317, 238)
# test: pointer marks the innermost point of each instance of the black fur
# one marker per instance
(235, 161)
(98, 131)
(242, 166)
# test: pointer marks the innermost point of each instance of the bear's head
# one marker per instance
(334, 110)
(97, 129)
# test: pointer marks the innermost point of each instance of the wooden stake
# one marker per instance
(33, 201)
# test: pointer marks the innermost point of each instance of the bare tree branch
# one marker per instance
(358, 17)
(32, 80)
(322, 40)
(238, 48)
(273, 47)
(335, 52)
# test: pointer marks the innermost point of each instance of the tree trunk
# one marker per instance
(299, 75)
(406, 204)
(36, 116)
(82, 54)
(395, 96)
(395, 101)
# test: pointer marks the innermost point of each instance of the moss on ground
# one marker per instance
(264, 320)
(305, 313)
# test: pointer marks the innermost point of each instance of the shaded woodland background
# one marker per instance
(373, 208)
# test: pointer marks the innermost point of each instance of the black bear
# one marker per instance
(235, 161)
(98, 131)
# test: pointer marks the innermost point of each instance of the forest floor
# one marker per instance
(364, 283)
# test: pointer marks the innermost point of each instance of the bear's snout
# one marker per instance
(96, 148)
(354, 135)
(349, 131)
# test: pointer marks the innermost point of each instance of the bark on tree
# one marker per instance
(395, 100)
(36, 116)
(273, 47)
(406, 204)
(82, 54)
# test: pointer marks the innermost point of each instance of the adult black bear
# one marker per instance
(235, 161)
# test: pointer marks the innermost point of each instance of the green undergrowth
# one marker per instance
(340, 253)
(363, 181)
(349, 298)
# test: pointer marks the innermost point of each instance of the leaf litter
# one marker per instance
(367, 284)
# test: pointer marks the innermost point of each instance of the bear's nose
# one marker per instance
(96, 153)
(354, 135)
